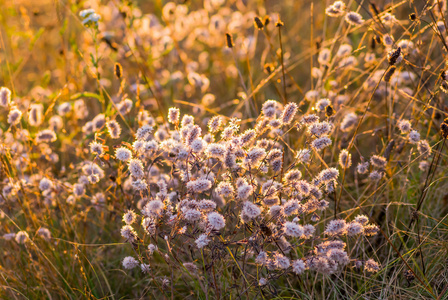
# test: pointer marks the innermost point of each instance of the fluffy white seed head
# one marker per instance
(288, 113)
(269, 108)
(362, 167)
(328, 175)
(123, 154)
(249, 211)
(216, 220)
(152, 248)
(136, 168)
(414, 137)
(354, 228)
(424, 149)
(404, 126)
(376, 175)
(22, 237)
(5, 96)
(129, 217)
(214, 124)
(46, 135)
(353, 18)
(345, 159)
(293, 229)
(202, 241)
(173, 115)
(378, 161)
(130, 263)
(371, 266)
(153, 209)
(114, 129)
(349, 122)
(125, 106)
(44, 233)
(128, 233)
(14, 116)
(199, 185)
(336, 227)
(303, 156)
(298, 266)
(35, 114)
(45, 184)
(324, 56)
(321, 143)
(96, 148)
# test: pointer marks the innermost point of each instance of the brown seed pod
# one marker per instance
(267, 20)
(329, 111)
(258, 23)
(269, 68)
(394, 56)
(118, 70)
(229, 40)
(444, 129)
(279, 24)
(389, 74)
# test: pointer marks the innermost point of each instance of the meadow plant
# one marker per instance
(208, 150)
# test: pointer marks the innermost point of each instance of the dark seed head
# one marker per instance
(118, 70)
(394, 56)
(409, 275)
(389, 74)
(267, 20)
(268, 68)
(378, 39)
(373, 43)
(329, 111)
(444, 129)
(229, 40)
(444, 86)
(279, 23)
(258, 23)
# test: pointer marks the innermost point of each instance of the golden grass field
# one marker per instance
(223, 149)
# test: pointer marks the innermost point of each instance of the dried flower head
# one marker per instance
(5, 96)
(293, 229)
(216, 220)
(353, 18)
(345, 159)
(130, 263)
(96, 148)
(123, 154)
(173, 115)
(35, 114)
(14, 116)
(378, 161)
(414, 137)
(336, 227)
(288, 114)
(395, 56)
(114, 129)
(362, 167)
(129, 217)
(22, 237)
(371, 266)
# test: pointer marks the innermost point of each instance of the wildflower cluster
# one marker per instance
(194, 147)
(223, 168)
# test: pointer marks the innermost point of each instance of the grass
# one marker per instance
(176, 55)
